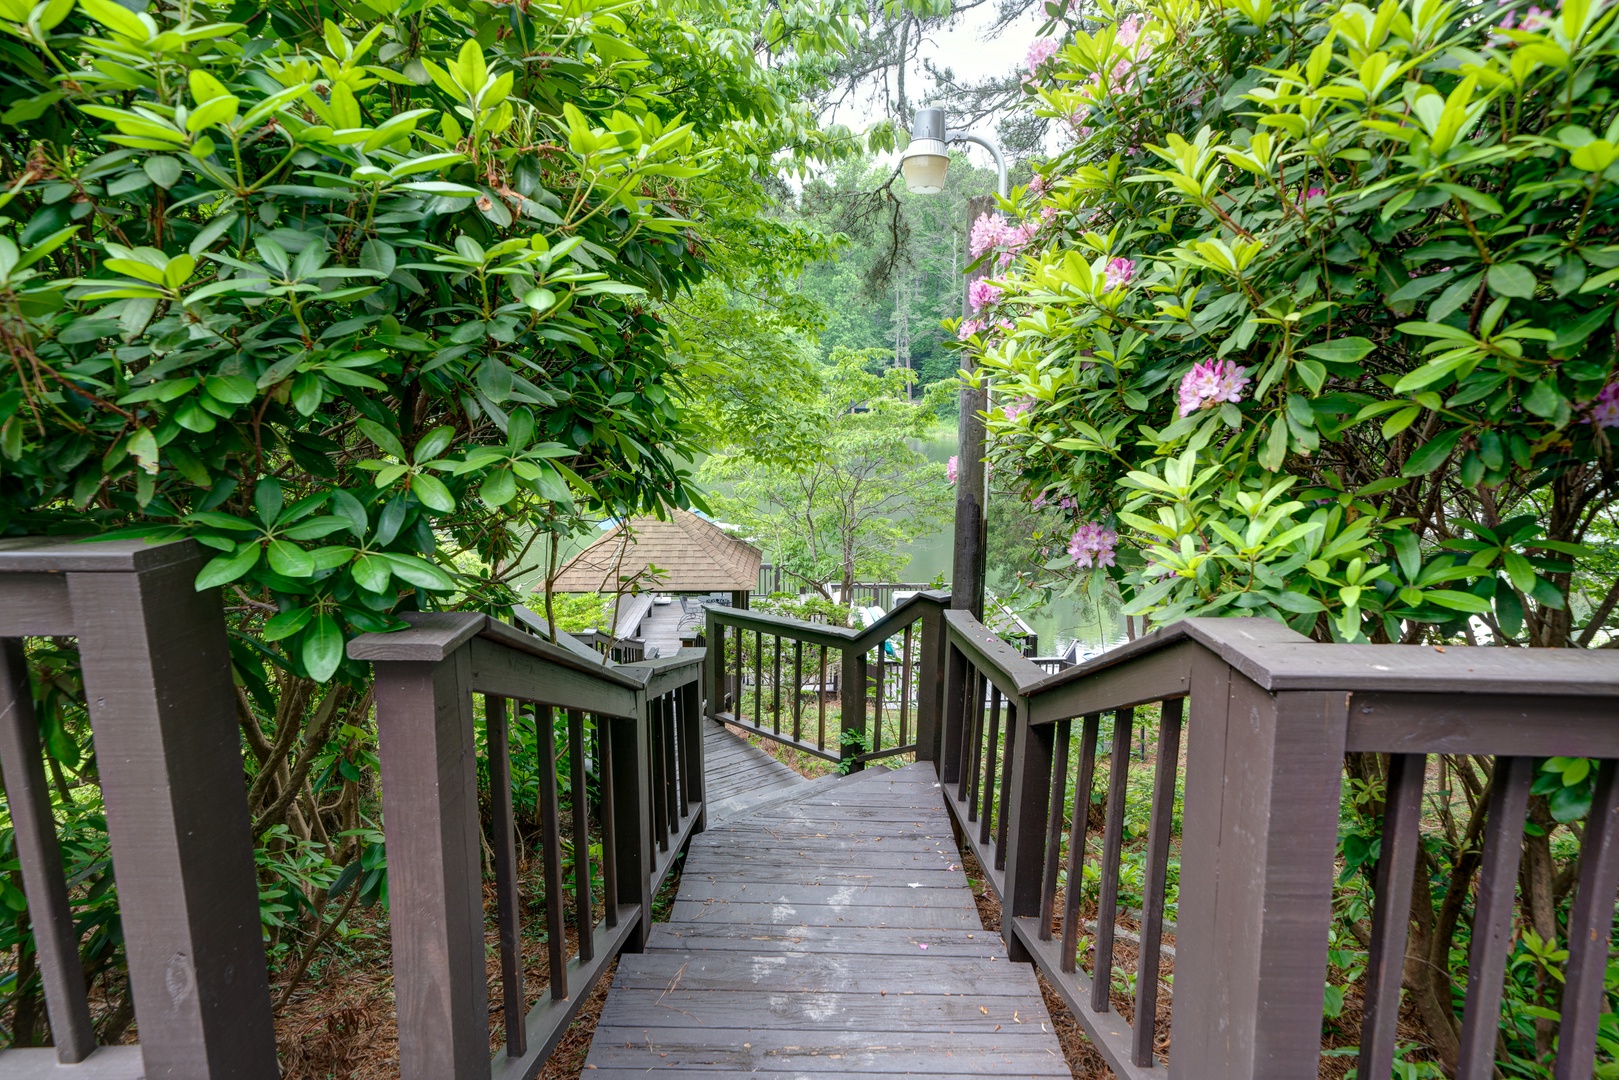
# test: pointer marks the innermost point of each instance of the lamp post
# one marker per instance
(924, 164)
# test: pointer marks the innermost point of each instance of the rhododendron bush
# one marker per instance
(1316, 313)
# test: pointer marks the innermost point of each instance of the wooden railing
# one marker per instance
(849, 696)
(157, 678)
(646, 747)
(157, 683)
(1270, 719)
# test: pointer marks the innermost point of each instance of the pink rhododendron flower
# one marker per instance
(1037, 184)
(968, 328)
(1039, 501)
(981, 294)
(985, 234)
(950, 469)
(1067, 503)
(1605, 409)
(1119, 273)
(1092, 545)
(1017, 408)
(1211, 383)
(1536, 20)
(1040, 50)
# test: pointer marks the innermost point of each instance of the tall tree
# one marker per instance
(843, 515)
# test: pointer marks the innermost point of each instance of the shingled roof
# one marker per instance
(695, 556)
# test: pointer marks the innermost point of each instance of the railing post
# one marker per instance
(632, 814)
(1258, 845)
(1028, 801)
(714, 667)
(157, 680)
(930, 682)
(852, 741)
(435, 876)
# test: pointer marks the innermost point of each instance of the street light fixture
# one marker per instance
(926, 159)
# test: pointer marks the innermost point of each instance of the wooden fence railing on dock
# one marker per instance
(1262, 718)
(157, 675)
(1269, 720)
(850, 696)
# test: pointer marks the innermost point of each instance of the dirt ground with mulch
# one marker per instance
(341, 1025)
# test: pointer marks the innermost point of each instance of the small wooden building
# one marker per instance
(697, 560)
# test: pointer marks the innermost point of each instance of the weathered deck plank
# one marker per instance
(828, 931)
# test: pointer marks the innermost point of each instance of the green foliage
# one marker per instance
(1397, 222)
(576, 612)
(346, 298)
(841, 515)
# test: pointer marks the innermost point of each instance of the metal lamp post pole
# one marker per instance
(972, 480)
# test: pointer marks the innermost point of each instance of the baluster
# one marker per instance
(39, 851)
(508, 905)
(878, 682)
(1112, 845)
(775, 685)
(991, 751)
(905, 690)
(1492, 916)
(758, 679)
(609, 826)
(660, 807)
(1391, 913)
(972, 745)
(1148, 954)
(673, 810)
(691, 762)
(736, 706)
(1002, 817)
(1077, 836)
(583, 915)
(551, 831)
(1590, 921)
(1053, 848)
(798, 690)
(820, 695)
(972, 751)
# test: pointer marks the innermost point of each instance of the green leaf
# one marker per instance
(372, 572)
(1341, 350)
(225, 569)
(163, 170)
(499, 488)
(1512, 279)
(1543, 398)
(290, 560)
(1457, 600)
(432, 493)
(1431, 454)
(419, 572)
(287, 623)
(322, 647)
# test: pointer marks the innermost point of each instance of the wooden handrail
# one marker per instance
(648, 767)
(856, 738)
(157, 680)
(1270, 716)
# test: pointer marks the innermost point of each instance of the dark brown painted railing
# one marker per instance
(162, 707)
(163, 714)
(779, 677)
(1271, 716)
(648, 748)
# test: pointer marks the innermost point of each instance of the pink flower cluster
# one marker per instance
(981, 294)
(950, 469)
(1037, 184)
(1210, 383)
(1092, 545)
(992, 230)
(1605, 409)
(1534, 20)
(1119, 273)
(969, 327)
(1040, 50)
(1017, 408)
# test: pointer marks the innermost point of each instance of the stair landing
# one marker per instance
(827, 932)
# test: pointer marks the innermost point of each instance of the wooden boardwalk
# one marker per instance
(825, 931)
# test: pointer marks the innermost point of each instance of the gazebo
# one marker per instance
(695, 557)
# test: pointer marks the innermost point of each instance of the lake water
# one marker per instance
(1058, 623)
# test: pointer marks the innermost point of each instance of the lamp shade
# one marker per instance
(926, 159)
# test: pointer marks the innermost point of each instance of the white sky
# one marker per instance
(968, 49)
